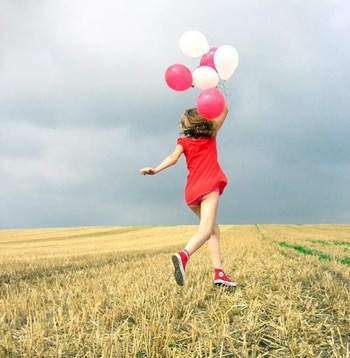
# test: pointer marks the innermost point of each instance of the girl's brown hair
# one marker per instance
(194, 125)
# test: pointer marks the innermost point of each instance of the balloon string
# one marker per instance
(224, 89)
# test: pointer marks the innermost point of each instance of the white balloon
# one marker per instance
(205, 77)
(226, 61)
(193, 43)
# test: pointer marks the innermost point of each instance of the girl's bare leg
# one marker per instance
(214, 247)
(214, 240)
(207, 223)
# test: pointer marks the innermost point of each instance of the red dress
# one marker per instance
(204, 171)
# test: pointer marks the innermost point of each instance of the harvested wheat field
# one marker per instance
(110, 292)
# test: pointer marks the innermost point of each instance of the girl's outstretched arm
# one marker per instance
(167, 162)
(218, 121)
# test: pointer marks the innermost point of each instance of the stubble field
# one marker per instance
(110, 292)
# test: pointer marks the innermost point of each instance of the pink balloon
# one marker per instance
(178, 77)
(210, 103)
(208, 59)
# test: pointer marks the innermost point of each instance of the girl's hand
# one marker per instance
(148, 170)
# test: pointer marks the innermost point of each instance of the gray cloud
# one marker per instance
(84, 105)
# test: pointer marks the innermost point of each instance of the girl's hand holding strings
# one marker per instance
(148, 171)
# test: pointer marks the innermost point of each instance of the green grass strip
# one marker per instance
(327, 242)
(341, 242)
(321, 255)
(306, 251)
(322, 242)
(345, 260)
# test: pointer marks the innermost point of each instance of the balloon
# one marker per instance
(208, 58)
(178, 77)
(205, 77)
(226, 61)
(193, 43)
(210, 103)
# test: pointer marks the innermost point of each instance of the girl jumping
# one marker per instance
(204, 184)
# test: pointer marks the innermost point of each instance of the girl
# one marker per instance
(204, 184)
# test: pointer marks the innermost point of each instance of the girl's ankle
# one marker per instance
(187, 253)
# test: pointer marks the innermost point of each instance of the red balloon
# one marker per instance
(208, 59)
(178, 77)
(210, 103)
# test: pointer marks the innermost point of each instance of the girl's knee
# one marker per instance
(206, 233)
(216, 230)
(209, 229)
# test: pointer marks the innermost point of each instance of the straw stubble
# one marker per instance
(110, 292)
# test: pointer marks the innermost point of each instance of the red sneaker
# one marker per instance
(221, 279)
(179, 261)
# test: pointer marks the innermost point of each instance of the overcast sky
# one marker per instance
(84, 106)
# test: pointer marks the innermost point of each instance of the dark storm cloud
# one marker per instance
(83, 106)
